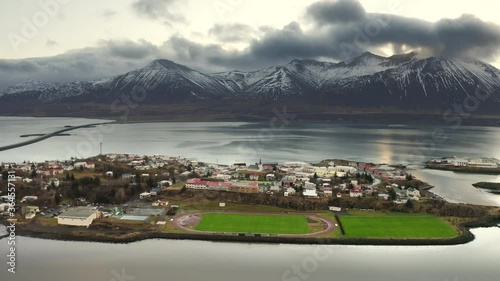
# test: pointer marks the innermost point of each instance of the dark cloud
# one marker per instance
(340, 11)
(108, 59)
(351, 27)
(129, 49)
(164, 10)
(235, 32)
(342, 29)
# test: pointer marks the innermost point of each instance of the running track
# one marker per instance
(328, 226)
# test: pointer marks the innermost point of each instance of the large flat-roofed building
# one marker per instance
(78, 216)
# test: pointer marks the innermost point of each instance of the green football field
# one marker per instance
(254, 223)
(396, 226)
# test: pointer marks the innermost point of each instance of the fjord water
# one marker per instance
(198, 260)
(229, 142)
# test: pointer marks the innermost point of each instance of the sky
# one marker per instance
(72, 40)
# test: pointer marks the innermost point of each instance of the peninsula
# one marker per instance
(124, 198)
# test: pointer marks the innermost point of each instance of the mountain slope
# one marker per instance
(367, 80)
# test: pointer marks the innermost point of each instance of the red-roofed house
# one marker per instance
(356, 193)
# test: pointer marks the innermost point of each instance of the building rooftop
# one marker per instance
(78, 212)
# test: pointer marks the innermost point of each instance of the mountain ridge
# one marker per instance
(366, 80)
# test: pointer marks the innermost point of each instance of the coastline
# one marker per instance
(333, 115)
(465, 170)
(464, 237)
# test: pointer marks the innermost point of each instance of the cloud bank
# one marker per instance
(340, 29)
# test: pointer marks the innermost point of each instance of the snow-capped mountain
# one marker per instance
(366, 80)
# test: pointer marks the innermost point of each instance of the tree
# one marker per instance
(5, 175)
(57, 197)
(151, 183)
(112, 193)
(392, 194)
(120, 195)
(409, 204)
(189, 167)
(409, 177)
(67, 177)
(81, 168)
(173, 181)
(33, 174)
(72, 177)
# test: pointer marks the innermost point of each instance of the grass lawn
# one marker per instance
(254, 223)
(393, 225)
(205, 205)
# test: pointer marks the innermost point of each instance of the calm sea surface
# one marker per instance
(197, 260)
(229, 142)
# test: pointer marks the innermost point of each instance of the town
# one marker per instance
(77, 192)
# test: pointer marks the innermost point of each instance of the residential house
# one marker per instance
(310, 185)
(383, 196)
(145, 195)
(29, 199)
(128, 176)
(86, 165)
(270, 177)
(328, 191)
(254, 177)
(356, 193)
(310, 193)
(54, 181)
(31, 212)
(159, 203)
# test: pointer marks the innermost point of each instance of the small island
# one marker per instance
(492, 187)
(121, 198)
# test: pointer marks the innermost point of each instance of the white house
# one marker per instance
(54, 181)
(87, 165)
(310, 193)
(31, 212)
(145, 195)
(345, 169)
(383, 196)
(29, 199)
(460, 162)
(78, 216)
(270, 177)
(413, 192)
(310, 185)
(165, 183)
(335, 209)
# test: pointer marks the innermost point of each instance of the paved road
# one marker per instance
(328, 226)
(49, 135)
